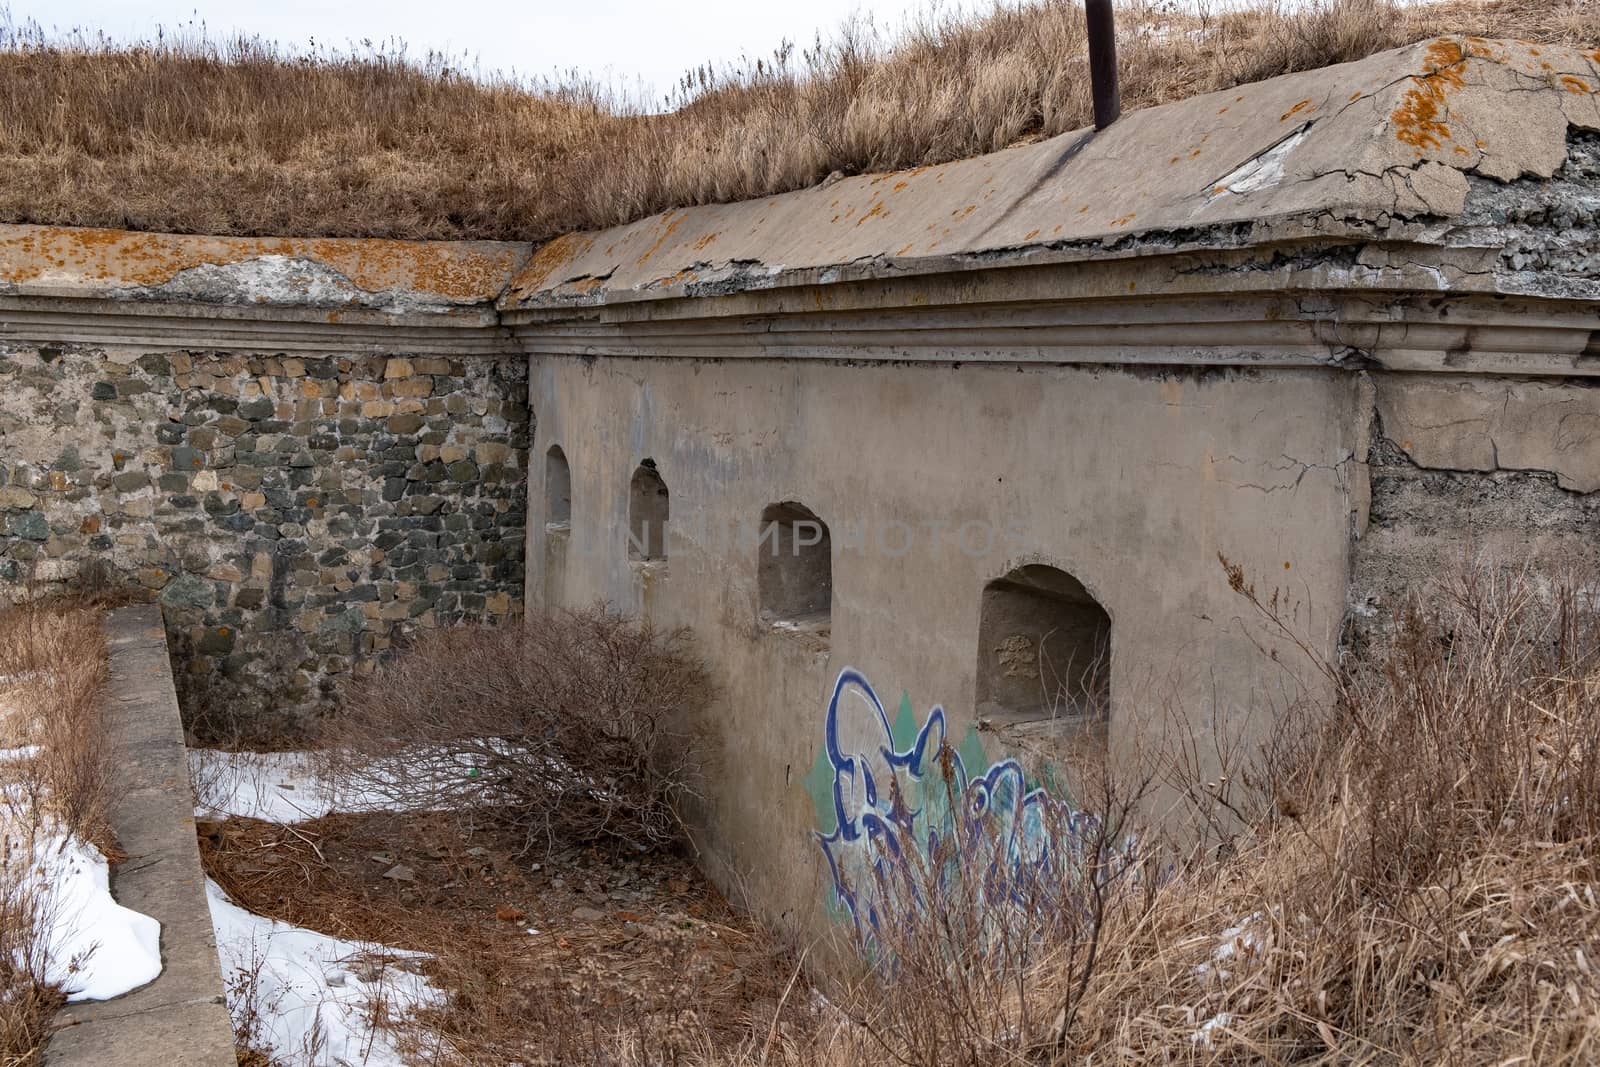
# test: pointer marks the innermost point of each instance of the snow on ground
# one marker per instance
(286, 787)
(314, 996)
(84, 941)
(1202, 1036)
(95, 948)
(281, 787)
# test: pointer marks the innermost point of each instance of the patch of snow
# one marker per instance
(1202, 1036)
(94, 948)
(281, 787)
(1262, 172)
(286, 787)
(16, 755)
(1240, 939)
(315, 996)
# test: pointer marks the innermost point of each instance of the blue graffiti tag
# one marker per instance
(911, 818)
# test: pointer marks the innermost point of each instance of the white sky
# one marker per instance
(636, 44)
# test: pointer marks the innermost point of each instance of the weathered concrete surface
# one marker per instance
(1132, 481)
(396, 276)
(1478, 424)
(1433, 522)
(180, 1019)
(1383, 146)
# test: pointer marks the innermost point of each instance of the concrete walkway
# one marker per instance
(180, 1019)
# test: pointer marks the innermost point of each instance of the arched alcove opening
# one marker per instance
(557, 489)
(648, 509)
(794, 568)
(1044, 647)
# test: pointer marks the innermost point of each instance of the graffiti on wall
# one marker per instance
(901, 810)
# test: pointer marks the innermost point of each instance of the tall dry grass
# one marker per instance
(55, 773)
(194, 135)
(1416, 880)
(1408, 877)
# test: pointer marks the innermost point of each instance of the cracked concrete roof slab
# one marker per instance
(331, 273)
(1360, 144)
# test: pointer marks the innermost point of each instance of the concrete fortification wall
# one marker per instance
(1006, 418)
(1338, 328)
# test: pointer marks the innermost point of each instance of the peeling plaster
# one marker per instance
(1475, 424)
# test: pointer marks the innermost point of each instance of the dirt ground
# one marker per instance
(578, 956)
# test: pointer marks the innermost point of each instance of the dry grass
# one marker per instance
(52, 668)
(1409, 878)
(239, 137)
(661, 972)
(1416, 880)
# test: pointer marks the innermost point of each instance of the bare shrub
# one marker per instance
(55, 772)
(577, 725)
(238, 136)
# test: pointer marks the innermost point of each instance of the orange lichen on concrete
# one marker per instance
(877, 209)
(672, 220)
(458, 271)
(1303, 105)
(1419, 120)
(1576, 85)
(550, 259)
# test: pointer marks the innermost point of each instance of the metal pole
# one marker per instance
(1103, 62)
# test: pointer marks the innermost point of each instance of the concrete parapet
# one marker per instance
(180, 1019)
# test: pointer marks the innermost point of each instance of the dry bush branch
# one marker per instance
(577, 726)
(192, 135)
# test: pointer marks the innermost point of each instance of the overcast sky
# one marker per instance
(622, 41)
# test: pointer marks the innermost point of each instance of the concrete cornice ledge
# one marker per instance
(307, 295)
(1399, 212)
(180, 1019)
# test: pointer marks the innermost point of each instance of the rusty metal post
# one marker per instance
(1103, 62)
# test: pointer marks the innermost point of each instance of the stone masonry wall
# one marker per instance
(294, 516)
